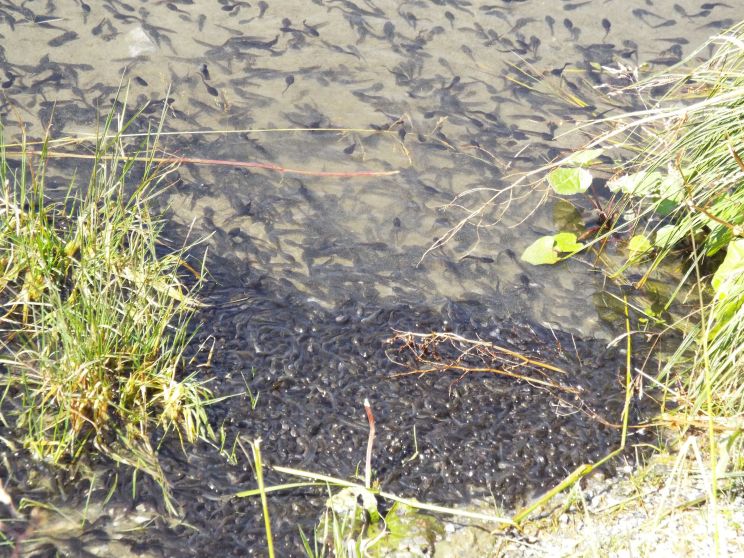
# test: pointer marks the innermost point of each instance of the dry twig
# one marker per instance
(443, 352)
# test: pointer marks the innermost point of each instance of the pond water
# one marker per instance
(310, 274)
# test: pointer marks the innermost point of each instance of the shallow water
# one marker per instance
(321, 269)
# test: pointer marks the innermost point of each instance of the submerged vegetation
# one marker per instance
(682, 194)
(95, 312)
(675, 174)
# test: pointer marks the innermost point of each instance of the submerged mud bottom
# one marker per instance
(478, 436)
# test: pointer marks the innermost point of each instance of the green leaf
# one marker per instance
(639, 184)
(672, 186)
(727, 209)
(541, 252)
(718, 239)
(566, 217)
(667, 236)
(566, 242)
(569, 181)
(546, 248)
(583, 157)
(638, 246)
(728, 277)
(666, 207)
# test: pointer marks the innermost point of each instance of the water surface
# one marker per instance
(311, 273)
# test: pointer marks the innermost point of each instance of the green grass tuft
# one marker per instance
(694, 138)
(95, 320)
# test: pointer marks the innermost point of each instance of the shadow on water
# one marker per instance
(310, 274)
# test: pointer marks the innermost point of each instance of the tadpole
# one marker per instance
(289, 80)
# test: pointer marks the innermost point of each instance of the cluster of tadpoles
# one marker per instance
(442, 352)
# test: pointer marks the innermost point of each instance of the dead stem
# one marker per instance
(214, 162)
(431, 352)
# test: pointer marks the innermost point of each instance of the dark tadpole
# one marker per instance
(389, 31)
(551, 23)
(105, 28)
(204, 71)
(311, 30)
(211, 90)
(9, 82)
(630, 49)
(675, 40)
(606, 25)
(571, 28)
(172, 7)
(44, 20)
(712, 5)
(63, 39)
(289, 80)
(534, 44)
(139, 81)
(680, 10)
(521, 22)
(410, 18)
(651, 19)
(455, 81)
(558, 72)
(720, 24)
(576, 5)
(451, 18)
(350, 149)
(665, 23)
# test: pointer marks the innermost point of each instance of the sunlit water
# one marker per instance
(455, 97)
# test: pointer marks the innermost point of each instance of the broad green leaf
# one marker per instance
(541, 252)
(638, 246)
(546, 248)
(717, 239)
(666, 207)
(667, 236)
(569, 181)
(729, 210)
(672, 186)
(583, 157)
(566, 217)
(566, 242)
(639, 184)
(728, 277)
